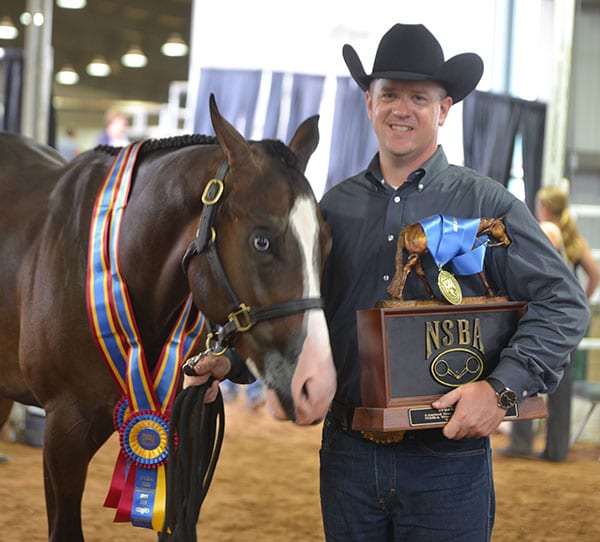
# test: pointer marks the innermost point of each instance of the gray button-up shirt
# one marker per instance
(365, 215)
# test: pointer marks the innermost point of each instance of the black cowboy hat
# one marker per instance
(410, 52)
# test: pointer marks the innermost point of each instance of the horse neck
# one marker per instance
(159, 222)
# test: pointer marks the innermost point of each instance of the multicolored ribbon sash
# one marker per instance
(451, 239)
(138, 487)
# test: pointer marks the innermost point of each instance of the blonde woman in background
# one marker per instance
(552, 205)
(552, 211)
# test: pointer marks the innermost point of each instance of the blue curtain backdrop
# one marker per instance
(236, 93)
(353, 142)
(307, 92)
(11, 68)
(274, 106)
(490, 125)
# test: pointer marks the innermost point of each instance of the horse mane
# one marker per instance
(274, 146)
(175, 142)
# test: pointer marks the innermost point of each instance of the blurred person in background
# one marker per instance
(115, 131)
(552, 211)
(67, 145)
(552, 205)
(255, 395)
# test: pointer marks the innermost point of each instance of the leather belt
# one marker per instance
(344, 414)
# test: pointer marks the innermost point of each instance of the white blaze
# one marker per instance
(304, 224)
(314, 381)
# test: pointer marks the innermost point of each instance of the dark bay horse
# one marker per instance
(270, 241)
(412, 240)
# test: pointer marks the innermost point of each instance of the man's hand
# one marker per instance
(207, 366)
(476, 410)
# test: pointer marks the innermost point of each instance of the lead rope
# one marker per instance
(199, 427)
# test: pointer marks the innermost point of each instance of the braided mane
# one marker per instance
(275, 146)
(151, 145)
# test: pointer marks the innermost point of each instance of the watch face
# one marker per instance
(507, 398)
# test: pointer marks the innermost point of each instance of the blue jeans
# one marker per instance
(425, 488)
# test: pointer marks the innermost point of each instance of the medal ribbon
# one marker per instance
(138, 487)
(451, 239)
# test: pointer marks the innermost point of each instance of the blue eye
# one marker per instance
(261, 243)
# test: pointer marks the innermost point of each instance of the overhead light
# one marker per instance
(67, 75)
(36, 19)
(134, 58)
(8, 31)
(98, 67)
(71, 4)
(174, 46)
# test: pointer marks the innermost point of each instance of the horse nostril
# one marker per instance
(305, 390)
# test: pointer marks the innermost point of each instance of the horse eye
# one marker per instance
(262, 243)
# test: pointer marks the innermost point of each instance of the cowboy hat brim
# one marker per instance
(459, 75)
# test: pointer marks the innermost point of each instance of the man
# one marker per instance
(433, 484)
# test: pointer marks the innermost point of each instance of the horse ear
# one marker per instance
(233, 143)
(305, 141)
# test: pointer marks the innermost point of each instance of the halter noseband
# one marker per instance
(243, 317)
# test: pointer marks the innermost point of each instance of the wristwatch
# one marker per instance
(507, 398)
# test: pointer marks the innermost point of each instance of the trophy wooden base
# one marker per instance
(413, 352)
(422, 416)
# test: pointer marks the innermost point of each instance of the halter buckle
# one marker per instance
(213, 184)
(242, 314)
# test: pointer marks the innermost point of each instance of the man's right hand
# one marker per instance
(207, 366)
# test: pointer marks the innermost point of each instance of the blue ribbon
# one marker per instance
(144, 497)
(454, 240)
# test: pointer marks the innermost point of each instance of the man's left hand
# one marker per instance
(207, 366)
(476, 411)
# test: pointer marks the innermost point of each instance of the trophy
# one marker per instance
(412, 352)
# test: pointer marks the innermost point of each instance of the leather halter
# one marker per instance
(243, 317)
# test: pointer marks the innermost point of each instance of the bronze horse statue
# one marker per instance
(269, 241)
(413, 240)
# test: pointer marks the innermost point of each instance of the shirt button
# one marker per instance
(390, 237)
(396, 199)
(386, 278)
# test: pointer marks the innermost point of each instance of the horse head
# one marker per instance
(495, 228)
(258, 274)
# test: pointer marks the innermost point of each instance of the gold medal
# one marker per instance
(449, 287)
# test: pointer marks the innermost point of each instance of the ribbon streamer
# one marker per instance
(138, 486)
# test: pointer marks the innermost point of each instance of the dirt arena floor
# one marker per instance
(266, 489)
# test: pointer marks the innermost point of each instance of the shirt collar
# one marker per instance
(424, 175)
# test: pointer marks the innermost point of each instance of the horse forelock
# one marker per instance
(277, 149)
(269, 184)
